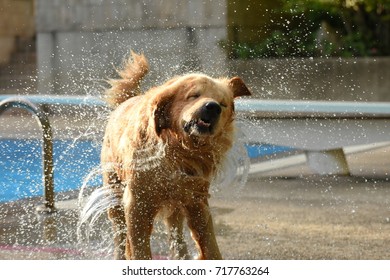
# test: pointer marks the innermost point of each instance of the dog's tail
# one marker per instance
(128, 85)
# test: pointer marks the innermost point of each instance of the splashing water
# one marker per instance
(94, 232)
(235, 169)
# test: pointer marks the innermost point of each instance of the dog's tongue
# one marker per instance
(203, 123)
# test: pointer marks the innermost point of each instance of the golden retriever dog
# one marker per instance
(160, 152)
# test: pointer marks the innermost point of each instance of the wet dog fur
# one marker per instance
(188, 123)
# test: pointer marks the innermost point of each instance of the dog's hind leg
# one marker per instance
(177, 246)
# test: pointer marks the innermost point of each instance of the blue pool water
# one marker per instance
(21, 165)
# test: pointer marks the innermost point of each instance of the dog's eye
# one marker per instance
(193, 96)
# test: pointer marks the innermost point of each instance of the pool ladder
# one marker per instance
(47, 149)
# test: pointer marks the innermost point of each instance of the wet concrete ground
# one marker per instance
(286, 213)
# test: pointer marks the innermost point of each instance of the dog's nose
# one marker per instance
(213, 107)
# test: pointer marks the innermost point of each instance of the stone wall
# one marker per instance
(80, 42)
(16, 21)
(103, 15)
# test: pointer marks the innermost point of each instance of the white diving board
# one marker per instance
(321, 128)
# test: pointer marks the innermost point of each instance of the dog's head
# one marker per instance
(197, 105)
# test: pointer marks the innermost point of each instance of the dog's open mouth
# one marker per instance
(204, 120)
(198, 126)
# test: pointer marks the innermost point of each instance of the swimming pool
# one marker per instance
(21, 165)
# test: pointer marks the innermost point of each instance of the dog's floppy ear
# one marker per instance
(239, 87)
(161, 114)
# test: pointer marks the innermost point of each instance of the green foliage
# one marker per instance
(318, 28)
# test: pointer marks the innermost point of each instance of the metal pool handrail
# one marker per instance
(47, 149)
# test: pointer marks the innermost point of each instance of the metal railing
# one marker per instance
(47, 149)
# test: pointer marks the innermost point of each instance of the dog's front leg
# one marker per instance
(177, 245)
(117, 216)
(139, 217)
(202, 230)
